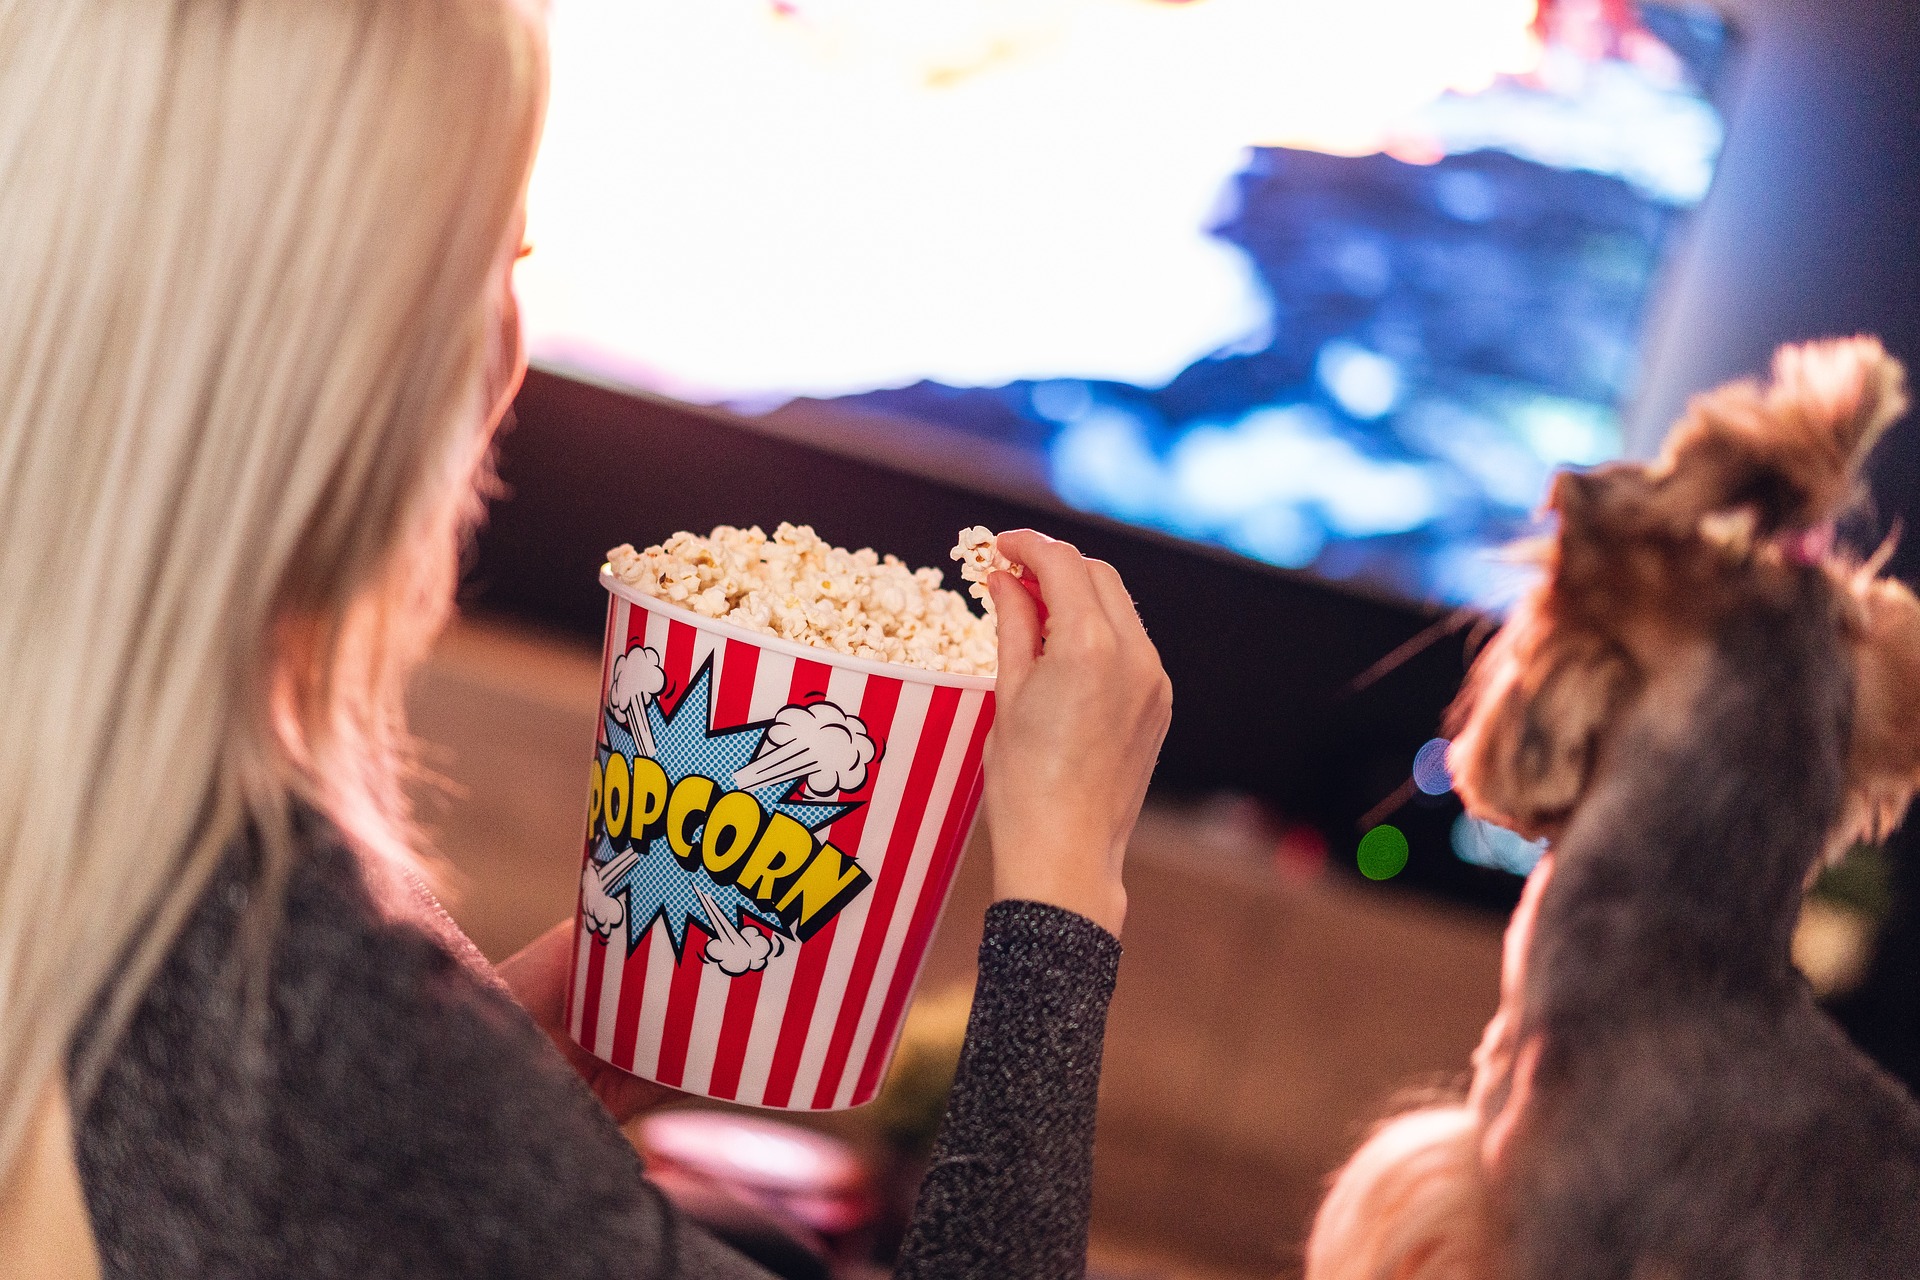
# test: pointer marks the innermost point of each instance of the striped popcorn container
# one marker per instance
(773, 830)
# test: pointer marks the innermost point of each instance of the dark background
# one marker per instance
(1813, 228)
(1810, 230)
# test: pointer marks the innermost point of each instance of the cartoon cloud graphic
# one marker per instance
(638, 678)
(818, 742)
(740, 950)
(603, 911)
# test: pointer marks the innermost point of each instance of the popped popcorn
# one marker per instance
(978, 559)
(793, 584)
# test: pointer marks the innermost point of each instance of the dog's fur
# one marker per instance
(1698, 704)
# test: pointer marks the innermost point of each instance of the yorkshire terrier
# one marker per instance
(1700, 702)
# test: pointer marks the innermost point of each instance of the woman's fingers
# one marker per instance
(1077, 729)
(1117, 601)
(1073, 605)
(537, 978)
(1075, 584)
(1017, 621)
(1140, 661)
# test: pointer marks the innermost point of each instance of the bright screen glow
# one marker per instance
(1333, 285)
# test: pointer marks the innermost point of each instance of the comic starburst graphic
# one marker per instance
(657, 886)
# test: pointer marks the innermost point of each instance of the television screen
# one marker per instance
(1332, 286)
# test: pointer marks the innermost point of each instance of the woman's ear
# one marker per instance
(1529, 721)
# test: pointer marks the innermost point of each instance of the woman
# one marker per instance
(258, 330)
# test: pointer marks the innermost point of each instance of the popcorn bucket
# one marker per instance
(772, 835)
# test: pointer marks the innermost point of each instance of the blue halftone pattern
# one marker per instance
(618, 737)
(658, 887)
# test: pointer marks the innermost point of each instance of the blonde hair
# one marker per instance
(1411, 1204)
(249, 247)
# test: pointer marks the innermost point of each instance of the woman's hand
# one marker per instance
(1081, 708)
(537, 977)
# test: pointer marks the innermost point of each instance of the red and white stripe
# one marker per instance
(815, 1029)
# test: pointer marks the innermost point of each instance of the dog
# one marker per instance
(1700, 703)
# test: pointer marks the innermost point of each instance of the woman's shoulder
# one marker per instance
(351, 1097)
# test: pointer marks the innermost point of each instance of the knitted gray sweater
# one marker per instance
(386, 1111)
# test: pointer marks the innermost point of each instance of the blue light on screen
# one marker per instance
(1485, 845)
(1334, 286)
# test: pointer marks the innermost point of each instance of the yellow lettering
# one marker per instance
(593, 799)
(686, 809)
(782, 849)
(616, 797)
(731, 827)
(826, 884)
(649, 797)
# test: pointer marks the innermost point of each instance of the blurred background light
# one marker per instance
(1383, 852)
(1334, 286)
(1430, 772)
(1486, 845)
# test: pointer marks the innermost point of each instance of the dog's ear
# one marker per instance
(1528, 721)
(1787, 452)
(1883, 764)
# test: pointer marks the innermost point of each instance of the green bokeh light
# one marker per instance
(1383, 852)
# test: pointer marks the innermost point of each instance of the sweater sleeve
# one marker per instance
(1009, 1189)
